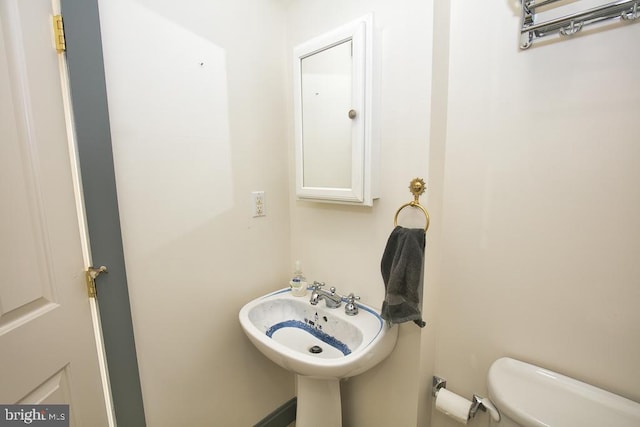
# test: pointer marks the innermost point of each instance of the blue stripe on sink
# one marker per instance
(322, 336)
(377, 316)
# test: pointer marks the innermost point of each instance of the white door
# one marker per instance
(47, 345)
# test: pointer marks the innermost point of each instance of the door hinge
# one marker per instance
(58, 34)
(90, 277)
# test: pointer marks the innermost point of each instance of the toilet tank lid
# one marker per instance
(536, 397)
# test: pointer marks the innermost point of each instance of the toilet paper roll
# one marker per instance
(456, 407)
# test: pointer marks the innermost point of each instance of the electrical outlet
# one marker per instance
(258, 203)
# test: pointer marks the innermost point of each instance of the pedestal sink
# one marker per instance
(320, 345)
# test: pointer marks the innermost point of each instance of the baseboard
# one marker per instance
(281, 417)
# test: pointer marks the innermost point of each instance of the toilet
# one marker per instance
(530, 396)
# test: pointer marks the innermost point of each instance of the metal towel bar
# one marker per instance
(530, 30)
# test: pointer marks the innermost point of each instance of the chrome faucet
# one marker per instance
(331, 298)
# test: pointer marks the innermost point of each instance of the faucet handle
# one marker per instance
(317, 285)
(351, 298)
(351, 308)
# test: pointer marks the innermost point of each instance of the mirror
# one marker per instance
(326, 130)
(332, 87)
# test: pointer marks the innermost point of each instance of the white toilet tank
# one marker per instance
(529, 396)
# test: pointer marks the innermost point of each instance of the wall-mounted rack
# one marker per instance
(568, 25)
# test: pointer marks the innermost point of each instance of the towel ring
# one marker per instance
(417, 187)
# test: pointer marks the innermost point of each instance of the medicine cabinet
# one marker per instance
(334, 145)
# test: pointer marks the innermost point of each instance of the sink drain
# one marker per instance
(315, 349)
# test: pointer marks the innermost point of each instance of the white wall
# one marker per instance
(539, 236)
(343, 245)
(200, 104)
(197, 103)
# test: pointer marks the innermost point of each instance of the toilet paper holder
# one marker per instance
(478, 402)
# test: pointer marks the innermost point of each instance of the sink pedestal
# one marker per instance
(318, 402)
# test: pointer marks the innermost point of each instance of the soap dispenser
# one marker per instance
(298, 282)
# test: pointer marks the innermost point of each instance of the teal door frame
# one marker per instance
(93, 135)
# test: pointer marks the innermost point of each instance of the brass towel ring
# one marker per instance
(417, 187)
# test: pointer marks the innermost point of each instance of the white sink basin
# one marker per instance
(316, 341)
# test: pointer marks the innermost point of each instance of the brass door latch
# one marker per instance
(90, 276)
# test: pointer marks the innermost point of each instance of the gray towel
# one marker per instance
(401, 267)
